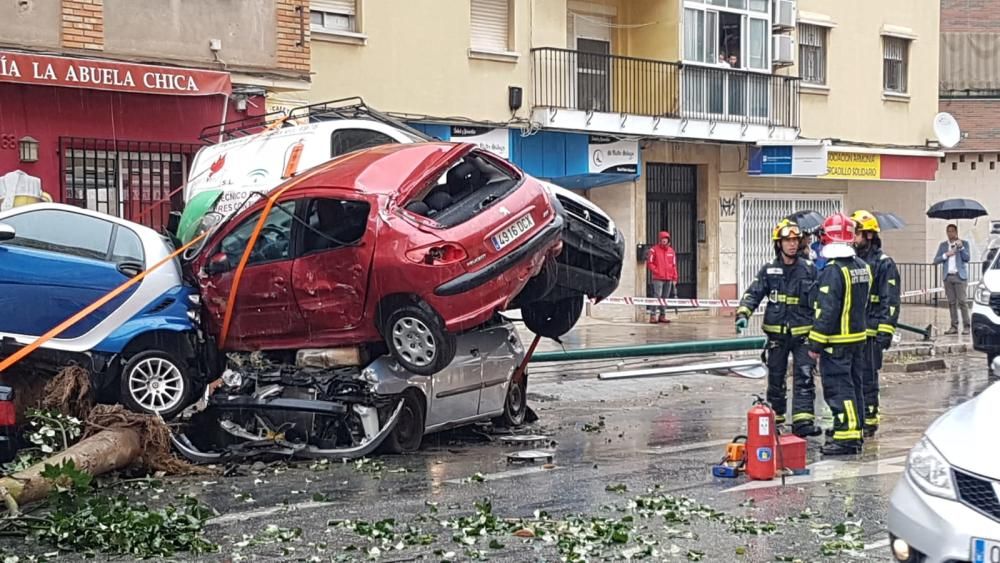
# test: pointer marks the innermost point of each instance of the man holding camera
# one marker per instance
(953, 255)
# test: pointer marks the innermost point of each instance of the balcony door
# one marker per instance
(593, 67)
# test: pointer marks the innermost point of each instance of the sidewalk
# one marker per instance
(595, 333)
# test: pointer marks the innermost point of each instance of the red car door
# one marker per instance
(266, 315)
(330, 276)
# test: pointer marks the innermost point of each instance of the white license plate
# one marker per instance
(985, 551)
(513, 232)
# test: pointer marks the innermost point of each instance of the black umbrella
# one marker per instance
(958, 208)
(888, 221)
(809, 221)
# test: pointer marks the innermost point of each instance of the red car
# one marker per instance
(406, 244)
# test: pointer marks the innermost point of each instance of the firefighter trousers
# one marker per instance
(779, 347)
(841, 367)
(872, 363)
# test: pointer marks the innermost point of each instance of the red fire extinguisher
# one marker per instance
(761, 442)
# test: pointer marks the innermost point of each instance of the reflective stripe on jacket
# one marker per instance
(842, 299)
(884, 302)
(788, 309)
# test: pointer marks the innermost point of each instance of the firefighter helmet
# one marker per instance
(786, 228)
(838, 228)
(865, 221)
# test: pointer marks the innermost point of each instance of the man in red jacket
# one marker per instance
(662, 265)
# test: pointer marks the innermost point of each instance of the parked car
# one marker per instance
(227, 175)
(403, 244)
(945, 507)
(280, 409)
(142, 346)
(986, 310)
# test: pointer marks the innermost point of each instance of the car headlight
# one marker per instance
(930, 471)
(982, 294)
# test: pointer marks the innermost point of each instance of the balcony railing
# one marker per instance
(610, 83)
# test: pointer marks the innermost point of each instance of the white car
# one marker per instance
(946, 507)
(986, 310)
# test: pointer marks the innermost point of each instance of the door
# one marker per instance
(456, 389)
(330, 277)
(671, 205)
(58, 263)
(758, 214)
(265, 315)
(593, 75)
(497, 361)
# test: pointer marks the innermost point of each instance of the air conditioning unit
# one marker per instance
(782, 50)
(785, 13)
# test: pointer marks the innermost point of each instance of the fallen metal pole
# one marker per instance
(925, 332)
(644, 350)
(674, 370)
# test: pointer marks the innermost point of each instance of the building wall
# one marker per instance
(909, 201)
(853, 108)
(35, 23)
(419, 50)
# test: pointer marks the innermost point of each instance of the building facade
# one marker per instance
(970, 91)
(707, 118)
(105, 101)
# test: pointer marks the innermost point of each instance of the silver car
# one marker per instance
(946, 507)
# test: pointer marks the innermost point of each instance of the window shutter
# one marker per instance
(343, 7)
(490, 25)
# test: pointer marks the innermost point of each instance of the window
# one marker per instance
(273, 243)
(128, 246)
(334, 223)
(694, 35)
(344, 141)
(757, 49)
(731, 36)
(64, 232)
(490, 26)
(812, 54)
(894, 64)
(333, 15)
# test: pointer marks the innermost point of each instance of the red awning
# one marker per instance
(45, 70)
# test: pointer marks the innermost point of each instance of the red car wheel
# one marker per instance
(417, 339)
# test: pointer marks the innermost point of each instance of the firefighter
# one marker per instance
(786, 284)
(883, 310)
(838, 335)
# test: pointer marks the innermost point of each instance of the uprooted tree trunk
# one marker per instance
(114, 438)
(108, 450)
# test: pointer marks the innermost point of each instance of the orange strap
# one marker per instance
(238, 274)
(20, 354)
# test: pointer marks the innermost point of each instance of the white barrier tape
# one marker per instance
(718, 303)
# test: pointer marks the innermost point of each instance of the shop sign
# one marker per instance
(44, 70)
(608, 155)
(496, 141)
(854, 166)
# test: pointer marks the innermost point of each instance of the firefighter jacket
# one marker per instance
(884, 301)
(788, 310)
(841, 304)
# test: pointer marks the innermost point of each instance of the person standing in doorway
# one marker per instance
(953, 255)
(662, 265)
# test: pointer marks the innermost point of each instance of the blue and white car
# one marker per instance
(144, 344)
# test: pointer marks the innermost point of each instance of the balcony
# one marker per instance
(615, 94)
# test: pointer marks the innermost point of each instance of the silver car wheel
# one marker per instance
(414, 341)
(156, 384)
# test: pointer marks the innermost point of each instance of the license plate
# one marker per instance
(985, 551)
(512, 232)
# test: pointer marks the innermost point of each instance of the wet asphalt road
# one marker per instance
(627, 435)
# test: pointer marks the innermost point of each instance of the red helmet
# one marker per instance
(838, 228)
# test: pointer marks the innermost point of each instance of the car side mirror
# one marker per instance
(6, 232)
(217, 264)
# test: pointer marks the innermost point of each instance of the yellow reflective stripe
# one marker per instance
(818, 337)
(888, 329)
(793, 300)
(852, 417)
(774, 329)
(847, 435)
(892, 310)
(779, 418)
(876, 299)
(801, 330)
(845, 313)
(781, 297)
(871, 332)
(824, 289)
(799, 417)
(892, 282)
(744, 310)
(847, 338)
(873, 421)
